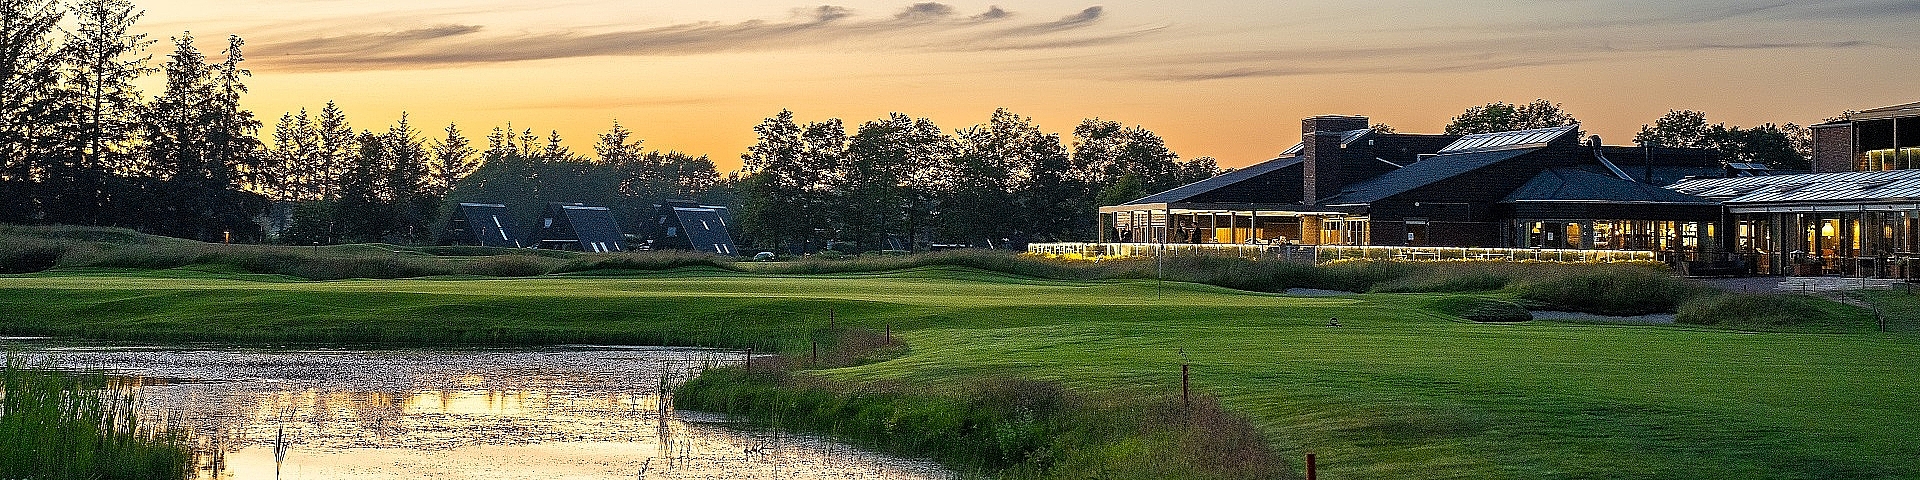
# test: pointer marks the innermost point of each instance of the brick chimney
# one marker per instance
(1321, 164)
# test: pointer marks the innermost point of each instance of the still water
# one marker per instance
(578, 412)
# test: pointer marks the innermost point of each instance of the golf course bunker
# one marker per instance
(565, 412)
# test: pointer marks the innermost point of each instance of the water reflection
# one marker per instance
(574, 412)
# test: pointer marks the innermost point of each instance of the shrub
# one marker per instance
(1609, 289)
(513, 265)
(27, 255)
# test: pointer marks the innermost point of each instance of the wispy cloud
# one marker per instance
(927, 26)
(1481, 56)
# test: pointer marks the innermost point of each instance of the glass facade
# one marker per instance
(1881, 242)
(1641, 235)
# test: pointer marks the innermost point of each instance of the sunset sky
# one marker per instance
(1216, 78)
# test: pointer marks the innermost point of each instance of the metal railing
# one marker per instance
(1329, 253)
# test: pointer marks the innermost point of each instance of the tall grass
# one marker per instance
(59, 425)
(1003, 427)
(1791, 313)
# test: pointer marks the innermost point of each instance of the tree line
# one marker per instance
(899, 181)
(1785, 147)
(80, 143)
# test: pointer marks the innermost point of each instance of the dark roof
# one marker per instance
(706, 228)
(590, 228)
(1573, 184)
(1890, 185)
(487, 223)
(1421, 174)
(1197, 189)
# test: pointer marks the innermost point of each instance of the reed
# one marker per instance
(57, 425)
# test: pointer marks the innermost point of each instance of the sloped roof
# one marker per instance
(593, 227)
(1888, 185)
(1572, 184)
(1890, 111)
(1482, 142)
(706, 228)
(1421, 174)
(488, 224)
(1191, 190)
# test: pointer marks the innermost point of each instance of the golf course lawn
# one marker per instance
(1396, 391)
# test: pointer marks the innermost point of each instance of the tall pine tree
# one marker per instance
(29, 77)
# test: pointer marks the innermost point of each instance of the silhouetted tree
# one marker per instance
(776, 186)
(102, 60)
(1502, 117)
(889, 179)
(202, 144)
(452, 160)
(1769, 144)
(29, 77)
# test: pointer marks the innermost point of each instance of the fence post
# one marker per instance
(1186, 398)
(1311, 473)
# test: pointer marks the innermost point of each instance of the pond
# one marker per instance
(586, 412)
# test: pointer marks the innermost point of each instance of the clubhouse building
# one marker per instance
(1345, 185)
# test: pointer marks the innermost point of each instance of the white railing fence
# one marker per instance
(1328, 253)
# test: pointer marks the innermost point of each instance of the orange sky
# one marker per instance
(1224, 79)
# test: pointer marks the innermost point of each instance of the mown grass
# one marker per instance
(1608, 289)
(1401, 390)
(57, 425)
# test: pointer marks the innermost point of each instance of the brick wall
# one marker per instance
(1833, 149)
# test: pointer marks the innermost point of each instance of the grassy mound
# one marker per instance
(1775, 313)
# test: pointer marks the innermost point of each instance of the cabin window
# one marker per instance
(546, 222)
(673, 231)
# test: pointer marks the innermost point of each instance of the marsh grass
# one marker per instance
(1000, 427)
(56, 425)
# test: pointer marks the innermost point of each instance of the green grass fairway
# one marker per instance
(1398, 391)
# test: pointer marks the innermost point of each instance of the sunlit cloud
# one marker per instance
(937, 26)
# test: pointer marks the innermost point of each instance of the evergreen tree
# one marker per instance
(407, 183)
(338, 148)
(452, 160)
(29, 76)
(295, 160)
(102, 59)
(362, 212)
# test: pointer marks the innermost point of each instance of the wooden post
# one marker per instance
(831, 322)
(816, 351)
(889, 332)
(1186, 399)
(1311, 473)
(749, 359)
